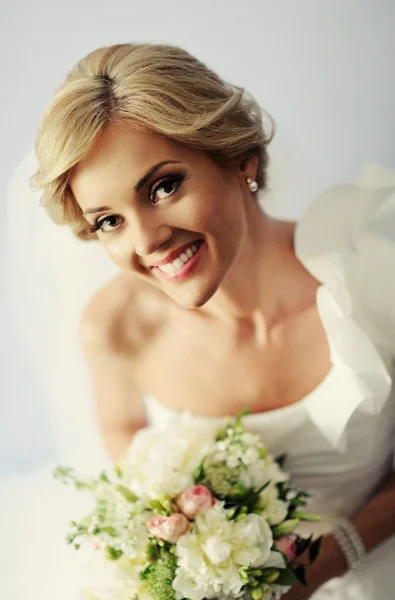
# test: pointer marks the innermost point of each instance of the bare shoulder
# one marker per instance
(122, 316)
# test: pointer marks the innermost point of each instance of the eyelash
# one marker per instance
(178, 179)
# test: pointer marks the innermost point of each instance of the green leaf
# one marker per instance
(118, 471)
(304, 516)
(297, 502)
(110, 530)
(286, 577)
(280, 460)
(60, 472)
(240, 517)
(257, 593)
(239, 492)
(285, 528)
(126, 492)
(300, 574)
(314, 549)
(270, 575)
(302, 544)
(153, 551)
(231, 513)
(112, 554)
(103, 477)
(252, 497)
(198, 473)
(239, 418)
(282, 491)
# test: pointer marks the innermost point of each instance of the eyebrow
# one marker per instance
(141, 182)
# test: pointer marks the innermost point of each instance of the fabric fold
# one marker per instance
(333, 259)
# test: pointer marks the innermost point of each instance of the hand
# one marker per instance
(329, 564)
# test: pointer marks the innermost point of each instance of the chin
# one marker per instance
(190, 300)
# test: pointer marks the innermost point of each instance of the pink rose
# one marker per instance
(195, 500)
(287, 545)
(169, 529)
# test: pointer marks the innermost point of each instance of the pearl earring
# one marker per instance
(252, 184)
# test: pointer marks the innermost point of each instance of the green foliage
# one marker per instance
(219, 478)
(158, 578)
(300, 574)
(285, 528)
(286, 577)
(280, 460)
(304, 516)
(126, 492)
(112, 554)
(67, 476)
(314, 549)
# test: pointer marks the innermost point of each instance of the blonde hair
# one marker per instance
(157, 87)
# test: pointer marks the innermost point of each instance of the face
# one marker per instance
(153, 200)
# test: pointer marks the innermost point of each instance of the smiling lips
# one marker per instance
(182, 256)
(175, 254)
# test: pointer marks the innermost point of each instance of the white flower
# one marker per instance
(274, 472)
(126, 520)
(161, 459)
(250, 456)
(275, 560)
(232, 462)
(273, 509)
(210, 555)
(254, 475)
(251, 439)
(111, 580)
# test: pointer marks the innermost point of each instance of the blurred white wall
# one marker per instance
(324, 69)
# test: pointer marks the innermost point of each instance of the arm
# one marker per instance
(119, 403)
(375, 522)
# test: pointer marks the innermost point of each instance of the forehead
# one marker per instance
(119, 157)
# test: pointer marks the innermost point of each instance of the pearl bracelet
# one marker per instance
(350, 542)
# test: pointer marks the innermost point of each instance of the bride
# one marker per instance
(218, 306)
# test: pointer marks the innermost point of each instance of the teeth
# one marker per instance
(180, 261)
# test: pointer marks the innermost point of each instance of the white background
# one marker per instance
(324, 69)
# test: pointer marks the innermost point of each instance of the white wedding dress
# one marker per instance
(339, 439)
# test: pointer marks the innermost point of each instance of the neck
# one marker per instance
(255, 292)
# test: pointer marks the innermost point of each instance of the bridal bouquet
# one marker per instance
(192, 512)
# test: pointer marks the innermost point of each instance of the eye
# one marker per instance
(168, 185)
(100, 223)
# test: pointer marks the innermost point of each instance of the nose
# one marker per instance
(149, 234)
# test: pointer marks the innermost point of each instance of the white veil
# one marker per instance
(50, 276)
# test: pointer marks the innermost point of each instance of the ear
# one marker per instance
(249, 167)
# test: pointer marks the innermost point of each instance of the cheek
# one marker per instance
(225, 216)
(213, 208)
(118, 250)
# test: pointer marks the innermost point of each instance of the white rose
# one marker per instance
(211, 553)
(273, 509)
(161, 459)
